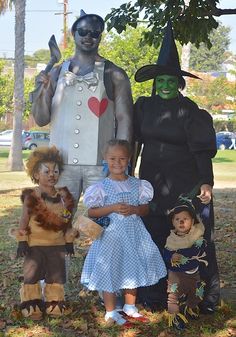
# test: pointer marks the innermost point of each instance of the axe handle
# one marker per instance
(33, 95)
(136, 152)
(50, 65)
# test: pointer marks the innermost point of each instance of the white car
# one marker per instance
(6, 137)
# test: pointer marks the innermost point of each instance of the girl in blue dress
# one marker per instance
(124, 257)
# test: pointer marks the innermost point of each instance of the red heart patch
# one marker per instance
(97, 107)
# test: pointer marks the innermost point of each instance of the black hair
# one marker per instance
(118, 142)
(181, 82)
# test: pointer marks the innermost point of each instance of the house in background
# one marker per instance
(228, 70)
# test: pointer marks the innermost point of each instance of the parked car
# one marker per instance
(223, 139)
(35, 139)
(6, 137)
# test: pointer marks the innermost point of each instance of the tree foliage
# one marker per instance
(126, 52)
(7, 91)
(212, 93)
(204, 59)
(192, 23)
(7, 88)
(4, 5)
(40, 56)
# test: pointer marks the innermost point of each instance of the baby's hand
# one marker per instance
(176, 258)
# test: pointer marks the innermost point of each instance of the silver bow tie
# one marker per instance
(90, 79)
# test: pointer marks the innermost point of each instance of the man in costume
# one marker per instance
(178, 141)
(87, 101)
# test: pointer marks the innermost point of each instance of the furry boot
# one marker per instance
(31, 301)
(55, 299)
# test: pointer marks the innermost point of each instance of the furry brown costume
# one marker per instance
(45, 235)
(43, 215)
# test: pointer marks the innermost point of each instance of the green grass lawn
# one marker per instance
(12, 180)
(224, 165)
(225, 157)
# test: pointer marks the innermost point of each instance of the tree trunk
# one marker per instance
(15, 155)
(185, 56)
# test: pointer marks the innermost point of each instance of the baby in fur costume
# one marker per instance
(45, 235)
(183, 252)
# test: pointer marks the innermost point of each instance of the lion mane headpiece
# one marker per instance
(42, 155)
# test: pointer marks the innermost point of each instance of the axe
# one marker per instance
(55, 57)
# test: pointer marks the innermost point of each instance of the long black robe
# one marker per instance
(178, 142)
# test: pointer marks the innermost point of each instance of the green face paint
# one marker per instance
(167, 86)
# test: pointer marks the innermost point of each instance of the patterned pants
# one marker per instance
(184, 289)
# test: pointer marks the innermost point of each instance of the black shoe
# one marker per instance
(206, 309)
(178, 323)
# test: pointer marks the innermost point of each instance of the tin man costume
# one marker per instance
(87, 101)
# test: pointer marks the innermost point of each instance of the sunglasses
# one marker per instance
(84, 32)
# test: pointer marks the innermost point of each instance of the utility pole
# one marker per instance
(65, 5)
(64, 13)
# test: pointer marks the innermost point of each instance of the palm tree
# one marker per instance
(15, 155)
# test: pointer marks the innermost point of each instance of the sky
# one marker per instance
(43, 20)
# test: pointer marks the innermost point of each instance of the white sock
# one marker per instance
(131, 310)
(115, 316)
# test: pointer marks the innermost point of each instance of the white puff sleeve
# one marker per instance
(94, 196)
(145, 192)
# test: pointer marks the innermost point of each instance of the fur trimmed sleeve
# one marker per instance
(67, 198)
(26, 193)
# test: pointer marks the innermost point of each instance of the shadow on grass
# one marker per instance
(222, 160)
(4, 153)
(9, 191)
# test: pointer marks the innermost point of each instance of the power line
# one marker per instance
(37, 10)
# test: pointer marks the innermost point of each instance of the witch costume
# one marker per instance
(178, 141)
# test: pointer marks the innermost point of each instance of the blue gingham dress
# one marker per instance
(124, 257)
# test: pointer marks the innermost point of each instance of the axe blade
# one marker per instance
(54, 49)
(55, 57)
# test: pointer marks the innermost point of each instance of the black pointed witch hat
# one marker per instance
(184, 203)
(167, 63)
(84, 15)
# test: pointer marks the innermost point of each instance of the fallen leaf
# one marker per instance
(2, 324)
